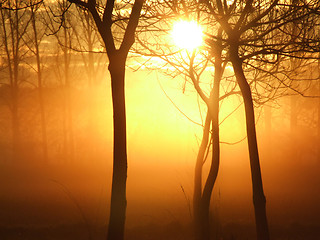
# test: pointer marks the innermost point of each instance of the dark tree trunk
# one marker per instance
(215, 161)
(259, 200)
(117, 61)
(197, 192)
(119, 178)
(201, 198)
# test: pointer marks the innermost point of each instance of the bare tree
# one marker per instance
(89, 46)
(15, 21)
(191, 65)
(250, 28)
(62, 31)
(257, 40)
(36, 40)
(117, 53)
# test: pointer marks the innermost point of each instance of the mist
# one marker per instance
(65, 198)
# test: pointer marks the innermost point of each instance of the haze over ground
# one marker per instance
(162, 146)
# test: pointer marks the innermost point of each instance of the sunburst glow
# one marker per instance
(187, 34)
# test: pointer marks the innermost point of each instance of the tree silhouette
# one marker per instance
(257, 39)
(192, 65)
(88, 45)
(249, 28)
(15, 22)
(35, 49)
(105, 21)
(64, 40)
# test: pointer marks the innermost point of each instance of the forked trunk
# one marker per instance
(202, 197)
(215, 159)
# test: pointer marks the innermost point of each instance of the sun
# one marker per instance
(187, 34)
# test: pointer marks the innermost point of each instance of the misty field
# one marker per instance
(160, 120)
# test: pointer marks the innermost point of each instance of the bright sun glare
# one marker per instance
(187, 34)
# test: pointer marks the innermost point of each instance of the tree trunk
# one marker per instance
(119, 178)
(117, 60)
(68, 128)
(11, 50)
(215, 161)
(202, 198)
(197, 192)
(259, 200)
(40, 90)
(43, 121)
